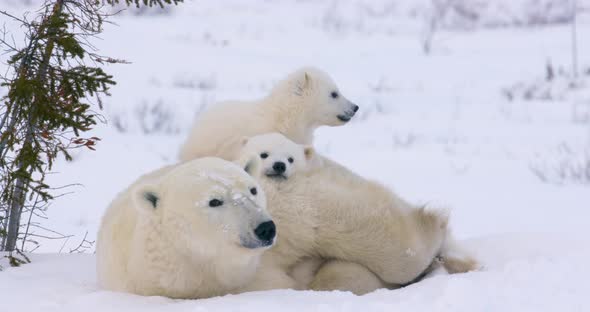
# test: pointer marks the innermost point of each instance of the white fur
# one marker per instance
(295, 107)
(353, 277)
(181, 247)
(328, 212)
(346, 276)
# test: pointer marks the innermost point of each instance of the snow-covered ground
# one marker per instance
(437, 128)
(523, 273)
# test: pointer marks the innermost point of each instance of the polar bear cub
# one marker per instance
(193, 230)
(324, 211)
(308, 98)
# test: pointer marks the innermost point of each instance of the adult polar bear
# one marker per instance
(296, 106)
(325, 211)
(193, 230)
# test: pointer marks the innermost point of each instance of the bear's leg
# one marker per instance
(267, 279)
(269, 275)
(455, 258)
(420, 240)
(397, 248)
(305, 270)
(346, 276)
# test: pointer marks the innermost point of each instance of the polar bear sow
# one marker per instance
(193, 230)
(295, 107)
(324, 211)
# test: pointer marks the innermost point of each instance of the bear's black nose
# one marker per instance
(266, 231)
(355, 108)
(279, 167)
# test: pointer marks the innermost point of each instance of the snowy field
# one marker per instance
(472, 127)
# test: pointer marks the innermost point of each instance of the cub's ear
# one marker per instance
(251, 165)
(244, 140)
(306, 80)
(146, 198)
(309, 152)
(303, 83)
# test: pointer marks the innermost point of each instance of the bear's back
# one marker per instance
(218, 131)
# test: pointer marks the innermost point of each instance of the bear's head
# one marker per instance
(207, 208)
(317, 98)
(278, 156)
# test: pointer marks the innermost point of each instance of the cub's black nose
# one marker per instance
(355, 108)
(266, 231)
(279, 167)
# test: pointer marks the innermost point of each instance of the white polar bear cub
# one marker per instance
(296, 106)
(325, 211)
(193, 230)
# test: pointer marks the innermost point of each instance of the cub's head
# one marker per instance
(320, 99)
(208, 207)
(278, 156)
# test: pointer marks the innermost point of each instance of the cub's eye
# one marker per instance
(334, 94)
(291, 160)
(215, 203)
(264, 155)
(253, 191)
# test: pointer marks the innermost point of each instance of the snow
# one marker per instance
(436, 128)
(522, 273)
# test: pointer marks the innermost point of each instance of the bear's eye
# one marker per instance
(264, 155)
(291, 160)
(334, 94)
(215, 203)
(253, 191)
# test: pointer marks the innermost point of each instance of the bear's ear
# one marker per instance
(306, 80)
(251, 165)
(244, 140)
(146, 197)
(302, 84)
(309, 152)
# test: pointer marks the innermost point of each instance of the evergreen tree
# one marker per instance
(48, 107)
